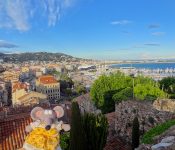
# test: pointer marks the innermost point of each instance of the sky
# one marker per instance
(96, 29)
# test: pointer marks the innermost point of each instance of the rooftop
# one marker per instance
(47, 79)
(18, 86)
(12, 132)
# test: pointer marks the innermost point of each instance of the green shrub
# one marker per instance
(168, 85)
(77, 136)
(151, 120)
(114, 88)
(123, 95)
(148, 92)
(159, 129)
(135, 133)
(65, 141)
(96, 129)
(105, 87)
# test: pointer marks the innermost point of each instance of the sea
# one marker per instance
(151, 66)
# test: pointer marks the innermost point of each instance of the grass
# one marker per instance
(159, 129)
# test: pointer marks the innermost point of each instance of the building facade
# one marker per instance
(48, 85)
(19, 89)
(3, 94)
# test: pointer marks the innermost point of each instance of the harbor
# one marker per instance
(157, 71)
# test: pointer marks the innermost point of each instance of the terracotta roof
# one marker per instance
(116, 144)
(47, 79)
(12, 132)
(18, 86)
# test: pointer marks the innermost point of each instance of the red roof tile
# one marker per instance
(116, 144)
(12, 132)
(47, 79)
(18, 86)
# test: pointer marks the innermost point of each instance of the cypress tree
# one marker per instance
(96, 129)
(77, 137)
(135, 133)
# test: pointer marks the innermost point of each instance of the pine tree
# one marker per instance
(135, 133)
(77, 137)
(95, 128)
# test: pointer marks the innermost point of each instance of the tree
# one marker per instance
(106, 86)
(123, 95)
(80, 89)
(77, 137)
(148, 92)
(109, 89)
(135, 133)
(168, 85)
(96, 129)
(66, 84)
(66, 81)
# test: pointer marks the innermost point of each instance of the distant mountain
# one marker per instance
(38, 56)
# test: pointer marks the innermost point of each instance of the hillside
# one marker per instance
(37, 56)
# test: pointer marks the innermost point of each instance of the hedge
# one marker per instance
(157, 130)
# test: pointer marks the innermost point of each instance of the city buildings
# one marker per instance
(3, 93)
(48, 85)
(19, 89)
(11, 75)
(32, 98)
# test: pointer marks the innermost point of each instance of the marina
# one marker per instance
(157, 71)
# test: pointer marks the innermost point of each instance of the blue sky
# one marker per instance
(98, 29)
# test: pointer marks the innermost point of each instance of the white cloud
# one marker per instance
(53, 9)
(158, 33)
(121, 22)
(154, 26)
(17, 14)
(6, 44)
(152, 44)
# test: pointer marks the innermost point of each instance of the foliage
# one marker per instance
(159, 129)
(96, 128)
(151, 120)
(109, 89)
(135, 133)
(144, 80)
(80, 89)
(66, 84)
(77, 137)
(109, 104)
(68, 92)
(65, 77)
(57, 73)
(148, 92)
(108, 84)
(66, 81)
(65, 141)
(123, 95)
(168, 85)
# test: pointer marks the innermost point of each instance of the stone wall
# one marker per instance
(86, 104)
(165, 105)
(147, 115)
